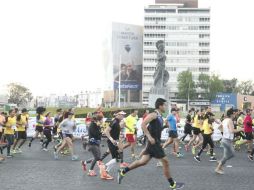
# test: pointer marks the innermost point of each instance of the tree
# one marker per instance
(203, 83)
(186, 85)
(216, 85)
(19, 94)
(245, 87)
(230, 86)
(210, 85)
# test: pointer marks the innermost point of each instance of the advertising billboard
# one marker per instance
(127, 49)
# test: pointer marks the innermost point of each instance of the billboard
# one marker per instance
(127, 50)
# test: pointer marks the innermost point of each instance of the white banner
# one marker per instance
(82, 130)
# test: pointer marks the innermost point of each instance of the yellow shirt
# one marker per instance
(40, 122)
(207, 128)
(21, 125)
(196, 122)
(131, 123)
(10, 125)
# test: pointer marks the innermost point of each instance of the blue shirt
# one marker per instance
(172, 122)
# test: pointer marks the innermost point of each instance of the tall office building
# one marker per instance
(186, 32)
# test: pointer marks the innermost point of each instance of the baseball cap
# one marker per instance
(119, 113)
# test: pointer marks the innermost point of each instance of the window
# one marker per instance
(204, 44)
(204, 35)
(203, 69)
(204, 52)
(206, 60)
(149, 68)
(204, 27)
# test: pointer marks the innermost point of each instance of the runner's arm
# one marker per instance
(232, 129)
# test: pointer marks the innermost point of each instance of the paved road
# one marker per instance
(37, 170)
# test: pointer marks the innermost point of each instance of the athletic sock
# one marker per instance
(125, 170)
(121, 156)
(211, 152)
(171, 181)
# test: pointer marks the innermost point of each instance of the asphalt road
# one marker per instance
(37, 170)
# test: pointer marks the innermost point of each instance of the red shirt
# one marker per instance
(247, 124)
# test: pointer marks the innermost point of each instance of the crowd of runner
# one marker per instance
(236, 129)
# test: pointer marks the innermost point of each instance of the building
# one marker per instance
(91, 99)
(186, 32)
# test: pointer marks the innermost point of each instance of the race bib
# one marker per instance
(13, 127)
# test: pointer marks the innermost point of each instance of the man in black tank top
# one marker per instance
(152, 127)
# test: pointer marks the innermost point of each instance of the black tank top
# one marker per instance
(155, 127)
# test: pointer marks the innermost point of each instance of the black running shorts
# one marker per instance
(249, 136)
(173, 134)
(196, 131)
(39, 129)
(21, 135)
(155, 151)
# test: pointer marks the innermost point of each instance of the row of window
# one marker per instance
(180, 52)
(155, 18)
(182, 36)
(178, 19)
(152, 27)
(174, 69)
(174, 44)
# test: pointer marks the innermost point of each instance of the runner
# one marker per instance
(94, 144)
(207, 136)
(113, 134)
(2, 143)
(48, 124)
(173, 135)
(67, 126)
(59, 113)
(227, 141)
(131, 127)
(153, 149)
(198, 122)
(39, 125)
(188, 126)
(10, 125)
(21, 126)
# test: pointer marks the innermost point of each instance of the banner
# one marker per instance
(127, 49)
(81, 129)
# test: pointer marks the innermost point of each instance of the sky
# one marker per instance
(55, 46)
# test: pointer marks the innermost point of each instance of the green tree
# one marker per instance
(230, 86)
(216, 85)
(245, 87)
(210, 85)
(186, 85)
(19, 94)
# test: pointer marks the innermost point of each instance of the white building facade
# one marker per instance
(186, 32)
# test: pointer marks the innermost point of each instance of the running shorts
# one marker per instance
(67, 135)
(173, 134)
(39, 129)
(21, 135)
(249, 136)
(155, 150)
(196, 131)
(130, 138)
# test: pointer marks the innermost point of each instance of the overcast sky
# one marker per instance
(55, 46)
